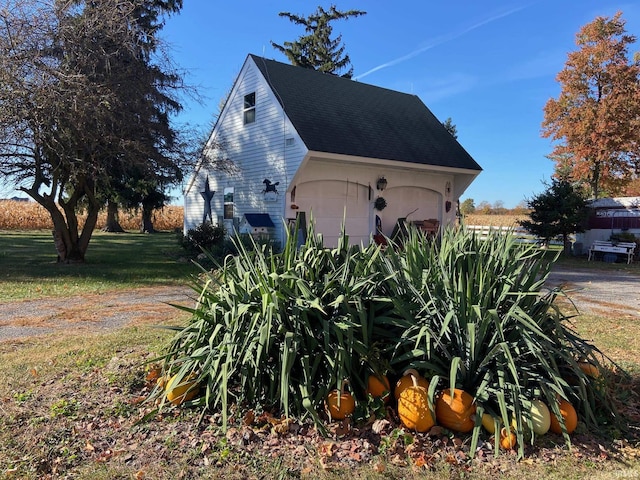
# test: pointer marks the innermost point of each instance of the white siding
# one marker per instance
(259, 151)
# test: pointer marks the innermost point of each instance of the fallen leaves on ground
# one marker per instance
(112, 423)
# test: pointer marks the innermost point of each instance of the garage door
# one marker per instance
(418, 203)
(326, 201)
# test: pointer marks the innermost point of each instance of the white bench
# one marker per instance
(622, 248)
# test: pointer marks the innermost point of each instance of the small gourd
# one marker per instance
(589, 369)
(340, 403)
(407, 381)
(413, 407)
(507, 439)
(456, 411)
(378, 387)
(489, 423)
(569, 416)
(181, 390)
(540, 417)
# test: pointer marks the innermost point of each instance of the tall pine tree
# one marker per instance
(316, 49)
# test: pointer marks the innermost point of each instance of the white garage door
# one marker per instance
(418, 203)
(326, 201)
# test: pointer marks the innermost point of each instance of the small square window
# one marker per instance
(228, 211)
(250, 108)
(228, 202)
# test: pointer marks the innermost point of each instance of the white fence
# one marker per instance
(521, 234)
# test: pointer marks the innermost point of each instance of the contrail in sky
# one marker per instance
(438, 41)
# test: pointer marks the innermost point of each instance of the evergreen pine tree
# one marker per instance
(316, 49)
(559, 211)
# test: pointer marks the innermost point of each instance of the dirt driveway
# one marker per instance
(92, 312)
(605, 293)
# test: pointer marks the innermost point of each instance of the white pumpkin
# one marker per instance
(540, 417)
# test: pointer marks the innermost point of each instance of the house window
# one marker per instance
(250, 108)
(228, 203)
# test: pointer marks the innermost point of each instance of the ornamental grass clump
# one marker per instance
(476, 316)
(279, 331)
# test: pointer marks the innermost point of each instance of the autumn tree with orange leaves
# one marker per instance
(595, 121)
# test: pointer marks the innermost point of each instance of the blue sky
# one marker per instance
(488, 65)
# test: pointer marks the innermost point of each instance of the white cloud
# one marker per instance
(440, 40)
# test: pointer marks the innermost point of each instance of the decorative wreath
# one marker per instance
(380, 203)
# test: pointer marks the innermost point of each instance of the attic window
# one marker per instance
(249, 108)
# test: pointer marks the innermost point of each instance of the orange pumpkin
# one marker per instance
(406, 381)
(569, 415)
(340, 404)
(507, 439)
(378, 387)
(456, 412)
(413, 407)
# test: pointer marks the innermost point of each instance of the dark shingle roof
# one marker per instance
(337, 115)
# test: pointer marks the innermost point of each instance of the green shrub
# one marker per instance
(209, 243)
(206, 242)
(205, 236)
(627, 237)
(280, 330)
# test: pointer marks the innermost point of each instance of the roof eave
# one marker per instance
(390, 163)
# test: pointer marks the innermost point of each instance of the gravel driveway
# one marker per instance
(92, 312)
(604, 292)
(601, 292)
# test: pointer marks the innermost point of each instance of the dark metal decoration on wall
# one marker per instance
(269, 186)
(207, 195)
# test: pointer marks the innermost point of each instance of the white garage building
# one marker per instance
(292, 141)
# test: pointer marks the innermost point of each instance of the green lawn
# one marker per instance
(28, 267)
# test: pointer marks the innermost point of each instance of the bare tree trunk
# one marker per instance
(112, 224)
(70, 244)
(147, 221)
(566, 244)
(60, 245)
(595, 180)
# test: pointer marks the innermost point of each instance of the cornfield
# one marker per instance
(19, 215)
(509, 220)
